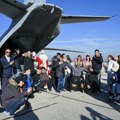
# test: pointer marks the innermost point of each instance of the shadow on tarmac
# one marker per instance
(104, 98)
(94, 114)
(28, 114)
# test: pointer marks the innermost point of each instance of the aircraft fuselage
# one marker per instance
(37, 31)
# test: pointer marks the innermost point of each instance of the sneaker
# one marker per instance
(117, 97)
(8, 114)
(44, 89)
(45, 86)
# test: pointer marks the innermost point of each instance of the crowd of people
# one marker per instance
(23, 74)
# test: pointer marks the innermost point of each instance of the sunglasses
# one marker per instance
(8, 52)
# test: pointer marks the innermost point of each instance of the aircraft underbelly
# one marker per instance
(38, 30)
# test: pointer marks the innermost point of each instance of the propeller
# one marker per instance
(56, 49)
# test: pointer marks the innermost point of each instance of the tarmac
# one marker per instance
(66, 105)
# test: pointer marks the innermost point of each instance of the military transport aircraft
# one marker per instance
(35, 23)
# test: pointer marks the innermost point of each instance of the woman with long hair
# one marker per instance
(79, 60)
(87, 62)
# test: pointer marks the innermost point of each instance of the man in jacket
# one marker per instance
(12, 97)
(54, 65)
(7, 67)
(97, 61)
(28, 62)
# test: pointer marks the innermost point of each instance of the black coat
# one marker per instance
(17, 59)
(43, 77)
(60, 70)
(118, 77)
(36, 78)
(97, 63)
(39, 78)
(28, 64)
(55, 63)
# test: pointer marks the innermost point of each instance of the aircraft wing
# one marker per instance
(12, 8)
(56, 49)
(66, 19)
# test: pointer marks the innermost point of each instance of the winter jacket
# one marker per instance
(29, 82)
(28, 64)
(60, 70)
(110, 65)
(35, 78)
(27, 78)
(11, 91)
(43, 77)
(17, 59)
(55, 63)
(117, 75)
(97, 62)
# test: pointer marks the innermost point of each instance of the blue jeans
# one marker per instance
(14, 104)
(109, 78)
(115, 88)
(60, 85)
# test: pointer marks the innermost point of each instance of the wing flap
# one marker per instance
(77, 19)
(65, 50)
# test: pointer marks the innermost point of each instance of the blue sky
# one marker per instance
(85, 36)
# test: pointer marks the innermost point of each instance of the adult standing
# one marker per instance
(118, 61)
(17, 59)
(87, 64)
(97, 61)
(110, 73)
(28, 62)
(7, 67)
(54, 65)
(44, 59)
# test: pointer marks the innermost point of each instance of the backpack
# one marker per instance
(115, 66)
